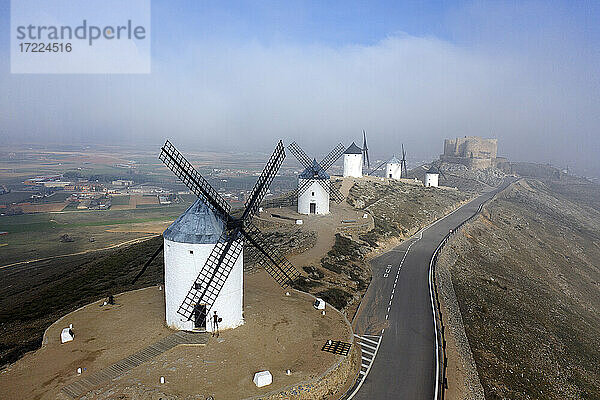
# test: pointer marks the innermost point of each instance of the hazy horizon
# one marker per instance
(237, 77)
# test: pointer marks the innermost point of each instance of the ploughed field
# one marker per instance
(526, 274)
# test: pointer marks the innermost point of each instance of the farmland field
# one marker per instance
(34, 236)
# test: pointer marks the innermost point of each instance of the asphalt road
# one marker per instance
(395, 319)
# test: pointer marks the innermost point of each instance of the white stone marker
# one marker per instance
(263, 378)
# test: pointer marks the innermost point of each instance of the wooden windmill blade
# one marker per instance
(264, 181)
(214, 273)
(365, 151)
(333, 156)
(187, 174)
(182, 168)
(302, 188)
(403, 170)
(300, 154)
(268, 257)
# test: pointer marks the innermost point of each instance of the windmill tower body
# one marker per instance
(353, 161)
(188, 243)
(393, 169)
(431, 177)
(314, 199)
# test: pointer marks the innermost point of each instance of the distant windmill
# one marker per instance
(314, 186)
(203, 249)
(365, 151)
(403, 170)
(432, 175)
(353, 164)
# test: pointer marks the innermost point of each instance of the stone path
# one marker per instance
(87, 383)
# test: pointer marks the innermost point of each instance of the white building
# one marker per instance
(393, 168)
(314, 199)
(187, 244)
(432, 177)
(353, 161)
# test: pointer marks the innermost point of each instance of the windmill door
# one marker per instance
(313, 208)
(200, 316)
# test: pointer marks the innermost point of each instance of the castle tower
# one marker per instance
(393, 168)
(353, 161)
(314, 199)
(188, 243)
(432, 177)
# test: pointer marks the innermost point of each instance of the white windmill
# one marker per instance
(432, 176)
(393, 168)
(314, 185)
(203, 250)
(353, 161)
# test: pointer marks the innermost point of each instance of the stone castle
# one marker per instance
(472, 151)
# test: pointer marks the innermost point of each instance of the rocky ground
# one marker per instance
(526, 274)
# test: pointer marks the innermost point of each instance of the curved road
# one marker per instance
(394, 323)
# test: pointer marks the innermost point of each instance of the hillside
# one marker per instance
(37, 294)
(526, 274)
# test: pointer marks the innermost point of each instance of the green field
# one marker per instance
(33, 236)
(15, 197)
(120, 200)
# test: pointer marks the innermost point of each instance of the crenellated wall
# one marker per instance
(472, 151)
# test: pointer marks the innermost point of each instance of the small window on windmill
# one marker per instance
(313, 193)
(191, 251)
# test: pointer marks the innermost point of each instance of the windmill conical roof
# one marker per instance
(393, 160)
(314, 171)
(199, 224)
(353, 149)
(433, 170)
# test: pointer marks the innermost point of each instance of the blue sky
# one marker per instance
(241, 75)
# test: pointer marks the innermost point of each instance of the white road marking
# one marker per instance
(364, 339)
(363, 374)
(368, 346)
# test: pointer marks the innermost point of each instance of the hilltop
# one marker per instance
(333, 262)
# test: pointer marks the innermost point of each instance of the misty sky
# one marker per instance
(230, 75)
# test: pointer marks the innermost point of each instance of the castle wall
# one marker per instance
(471, 147)
(472, 151)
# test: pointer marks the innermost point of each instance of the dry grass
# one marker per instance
(527, 277)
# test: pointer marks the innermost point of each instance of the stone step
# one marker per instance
(84, 384)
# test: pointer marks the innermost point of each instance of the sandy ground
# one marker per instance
(281, 332)
(326, 226)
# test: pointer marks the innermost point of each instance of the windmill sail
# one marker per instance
(365, 151)
(214, 273)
